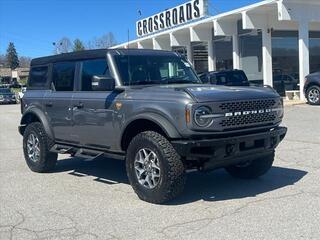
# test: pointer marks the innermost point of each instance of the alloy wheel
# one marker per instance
(33, 148)
(147, 168)
(314, 95)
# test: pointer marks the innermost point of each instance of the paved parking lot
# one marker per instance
(92, 200)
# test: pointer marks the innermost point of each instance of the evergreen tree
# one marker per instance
(12, 56)
(78, 45)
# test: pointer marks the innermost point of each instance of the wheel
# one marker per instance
(36, 149)
(313, 95)
(252, 169)
(155, 170)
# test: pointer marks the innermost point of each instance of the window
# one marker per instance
(38, 77)
(63, 76)
(314, 47)
(285, 61)
(92, 68)
(149, 69)
(223, 53)
(250, 45)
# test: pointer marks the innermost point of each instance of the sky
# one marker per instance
(33, 25)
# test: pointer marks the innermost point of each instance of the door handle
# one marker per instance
(79, 105)
(49, 104)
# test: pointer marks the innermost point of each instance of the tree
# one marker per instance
(24, 61)
(63, 46)
(106, 41)
(12, 56)
(78, 45)
(2, 60)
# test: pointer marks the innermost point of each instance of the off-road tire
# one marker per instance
(172, 175)
(48, 160)
(253, 169)
(314, 87)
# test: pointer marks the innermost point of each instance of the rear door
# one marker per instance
(93, 109)
(58, 101)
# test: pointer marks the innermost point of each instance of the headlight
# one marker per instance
(201, 116)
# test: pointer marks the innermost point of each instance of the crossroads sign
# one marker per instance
(173, 17)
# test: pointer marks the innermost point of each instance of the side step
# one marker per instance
(87, 154)
(62, 149)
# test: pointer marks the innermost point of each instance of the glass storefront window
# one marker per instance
(314, 46)
(182, 50)
(223, 53)
(285, 59)
(200, 56)
(250, 43)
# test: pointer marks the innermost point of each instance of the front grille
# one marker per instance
(247, 105)
(256, 118)
(248, 119)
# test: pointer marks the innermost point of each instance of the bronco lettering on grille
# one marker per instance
(252, 112)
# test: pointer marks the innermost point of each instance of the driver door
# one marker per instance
(93, 108)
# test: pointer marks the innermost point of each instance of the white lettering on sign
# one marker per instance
(172, 17)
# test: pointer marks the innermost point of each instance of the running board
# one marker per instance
(87, 154)
(62, 149)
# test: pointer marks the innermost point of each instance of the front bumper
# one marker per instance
(222, 152)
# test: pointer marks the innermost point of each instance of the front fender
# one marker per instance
(168, 128)
(30, 115)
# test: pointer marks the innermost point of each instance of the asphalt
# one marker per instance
(93, 200)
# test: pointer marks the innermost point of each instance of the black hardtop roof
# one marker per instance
(97, 53)
(225, 71)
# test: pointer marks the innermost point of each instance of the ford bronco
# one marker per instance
(150, 109)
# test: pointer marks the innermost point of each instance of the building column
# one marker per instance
(304, 61)
(211, 57)
(189, 53)
(267, 57)
(140, 46)
(235, 52)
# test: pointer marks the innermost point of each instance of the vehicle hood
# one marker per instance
(210, 93)
(199, 92)
(313, 76)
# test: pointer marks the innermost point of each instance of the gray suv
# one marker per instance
(150, 109)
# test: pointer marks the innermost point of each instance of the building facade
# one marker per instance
(276, 42)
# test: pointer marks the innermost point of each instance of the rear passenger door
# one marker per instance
(58, 101)
(93, 108)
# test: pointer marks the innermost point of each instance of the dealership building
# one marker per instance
(275, 42)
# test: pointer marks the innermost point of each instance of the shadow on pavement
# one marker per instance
(212, 186)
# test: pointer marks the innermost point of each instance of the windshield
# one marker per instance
(146, 69)
(5, 90)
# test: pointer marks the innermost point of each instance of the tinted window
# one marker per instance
(90, 68)
(236, 78)
(63, 76)
(38, 77)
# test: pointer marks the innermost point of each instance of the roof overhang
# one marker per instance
(268, 14)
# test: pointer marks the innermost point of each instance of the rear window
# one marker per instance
(63, 76)
(38, 77)
(236, 78)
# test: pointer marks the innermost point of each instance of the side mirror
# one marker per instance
(103, 83)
